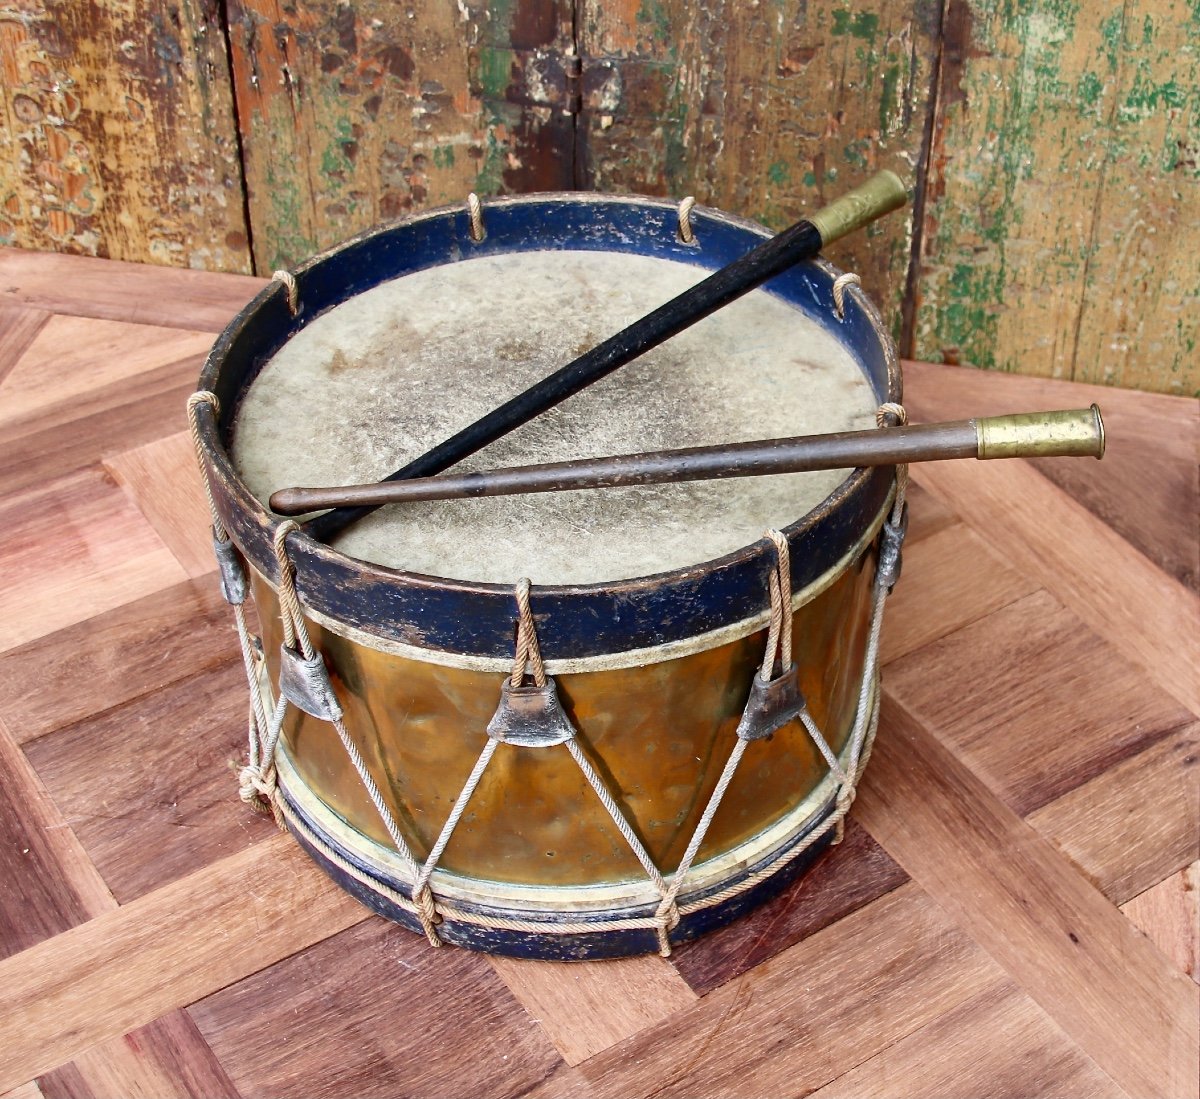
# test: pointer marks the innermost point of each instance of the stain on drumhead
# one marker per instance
(375, 382)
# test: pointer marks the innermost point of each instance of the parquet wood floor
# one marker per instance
(1013, 912)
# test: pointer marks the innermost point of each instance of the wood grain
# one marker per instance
(150, 787)
(1054, 240)
(792, 1023)
(846, 878)
(1150, 618)
(1075, 955)
(1034, 702)
(19, 327)
(1146, 488)
(409, 1021)
(585, 1007)
(104, 554)
(1168, 915)
(118, 137)
(111, 658)
(50, 883)
(1141, 235)
(77, 395)
(74, 357)
(351, 115)
(65, 440)
(166, 1059)
(970, 582)
(126, 968)
(765, 112)
(1094, 825)
(162, 479)
(996, 1045)
(927, 515)
(29, 1090)
(135, 293)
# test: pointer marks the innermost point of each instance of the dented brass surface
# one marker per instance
(659, 736)
(1075, 432)
(881, 194)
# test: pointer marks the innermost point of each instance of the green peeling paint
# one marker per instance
(888, 98)
(861, 24)
(654, 16)
(495, 69)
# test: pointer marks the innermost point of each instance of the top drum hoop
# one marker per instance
(468, 625)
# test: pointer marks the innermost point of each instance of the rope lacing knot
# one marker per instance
(257, 786)
(427, 911)
(666, 918)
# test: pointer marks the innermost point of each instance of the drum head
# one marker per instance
(373, 383)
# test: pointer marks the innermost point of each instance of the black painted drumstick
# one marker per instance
(879, 195)
(1075, 432)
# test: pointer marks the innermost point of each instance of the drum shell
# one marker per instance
(659, 733)
(417, 661)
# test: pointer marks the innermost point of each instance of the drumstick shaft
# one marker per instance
(879, 195)
(1077, 432)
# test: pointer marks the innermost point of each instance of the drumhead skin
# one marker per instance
(651, 634)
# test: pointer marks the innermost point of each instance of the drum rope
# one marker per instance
(205, 397)
(849, 278)
(779, 584)
(288, 281)
(687, 235)
(619, 818)
(529, 652)
(475, 217)
(295, 633)
(256, 781)
(485, 757)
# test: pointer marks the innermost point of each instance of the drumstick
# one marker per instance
(878, 196)
(1075, 432)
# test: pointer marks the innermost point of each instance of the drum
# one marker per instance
(572, 724)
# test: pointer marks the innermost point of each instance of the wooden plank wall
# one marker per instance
(1053, 144)
(117, 134)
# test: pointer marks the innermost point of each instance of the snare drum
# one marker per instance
(612, 756)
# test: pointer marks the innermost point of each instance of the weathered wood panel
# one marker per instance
(352, 114)
(765, 110)
(116, 132)
(1058, 238)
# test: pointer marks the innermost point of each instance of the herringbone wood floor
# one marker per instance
(1013, 913)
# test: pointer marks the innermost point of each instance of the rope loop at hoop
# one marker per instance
(293, 290)
(892, 414)
(475, 216)
(528, 656)
(687, 235)
(779, 630)
(205, 397)
(840, 285)
(295, 632)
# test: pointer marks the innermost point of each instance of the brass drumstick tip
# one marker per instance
(1076, 432)
(881, 194)
(1100, 438)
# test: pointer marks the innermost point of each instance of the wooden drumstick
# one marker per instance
(1076, 432)
(878, 196)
